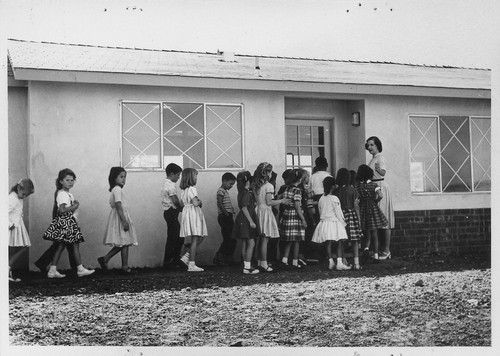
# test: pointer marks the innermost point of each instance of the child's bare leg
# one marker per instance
(263, 252)
(193, 248)
(57, 254)
(340, 249)
(295, 253)
(249, 245)
(286, 252)
(356, 253)
(374, 237)
(111, 253)
(76, 253)
(328, 250)
(258, 250)
(124, 255)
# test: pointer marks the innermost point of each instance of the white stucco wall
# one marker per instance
(387, 118)
(77, 126)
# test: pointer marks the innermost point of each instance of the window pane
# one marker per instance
(291, 135)
(224, 143)
(305, 159)
(424, 166)
(481, 152)
(318, 135)
(141, 135)
(292, 157)
(455, 154)
(304, 135)
(183, 126)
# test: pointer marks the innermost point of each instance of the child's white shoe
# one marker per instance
(195, 268)
(55, 274)
(85, 272)
(250, 270)
(185, 259)
(342, 267)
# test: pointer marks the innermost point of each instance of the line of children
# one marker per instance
(341, 218)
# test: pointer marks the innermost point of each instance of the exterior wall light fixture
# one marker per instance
(355, 119)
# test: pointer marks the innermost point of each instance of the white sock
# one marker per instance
(295, 262)
(53, 268)
(356, 260)
(330, 262)
(263, 264)
(80, 268)
(339, 261)
(191, 263)
(246, 264)
(375, 256)
(284, 260)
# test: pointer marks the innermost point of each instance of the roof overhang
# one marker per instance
(68, 76)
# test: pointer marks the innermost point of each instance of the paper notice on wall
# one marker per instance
(417, 176)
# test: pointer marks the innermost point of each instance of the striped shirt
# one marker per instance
(226, 201)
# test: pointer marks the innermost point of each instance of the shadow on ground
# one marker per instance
(35, 284)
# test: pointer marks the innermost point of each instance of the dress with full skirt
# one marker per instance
(192, 218)
(265, 216)
(331, 225)
(18, 236)
(115, 235)
(385, 204)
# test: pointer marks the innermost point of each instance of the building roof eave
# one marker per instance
(31, 74)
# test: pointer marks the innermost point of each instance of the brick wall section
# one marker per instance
(449, 230)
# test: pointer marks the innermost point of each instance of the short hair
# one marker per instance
(343, 176)
(285, 174)
(228, 177)
(328, 184)
(172, 168)
(113, 173)
(321, 162)
(187, 179)
(364, 173)
(376, 141)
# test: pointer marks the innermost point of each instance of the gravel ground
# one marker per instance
(432, 300)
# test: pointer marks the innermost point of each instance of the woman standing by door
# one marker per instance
(379, 166)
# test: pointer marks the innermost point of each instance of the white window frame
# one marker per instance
(205, 135)
(471, 154)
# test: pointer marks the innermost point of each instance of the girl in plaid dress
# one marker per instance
(371, 216)
(292, 223)
(349, 202)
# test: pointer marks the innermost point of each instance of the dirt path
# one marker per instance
(390, 304)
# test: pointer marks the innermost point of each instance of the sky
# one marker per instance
(444, 32)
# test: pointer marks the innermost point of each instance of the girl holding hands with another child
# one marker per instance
(264, 193)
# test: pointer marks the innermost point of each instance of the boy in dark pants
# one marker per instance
(225, 218)
(171, 209)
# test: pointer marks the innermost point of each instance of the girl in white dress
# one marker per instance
(18, 235)
(331, 226)
(267, 225)
(120, 231)
(193, 226)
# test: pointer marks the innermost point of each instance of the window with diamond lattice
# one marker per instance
(450, 154)
(195, 135)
